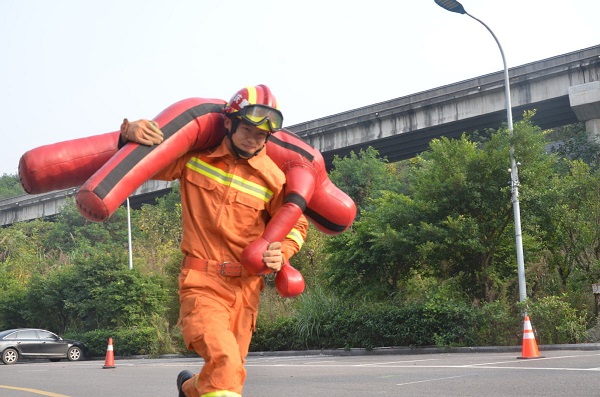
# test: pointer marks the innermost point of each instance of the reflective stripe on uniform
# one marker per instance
(296, 236)
(221, 393)
(227, 179)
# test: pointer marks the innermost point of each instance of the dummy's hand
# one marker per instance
(142, 131)
(273, 257)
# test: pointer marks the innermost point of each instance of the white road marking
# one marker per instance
(431, 380)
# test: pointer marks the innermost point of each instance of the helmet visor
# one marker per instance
(259, 114)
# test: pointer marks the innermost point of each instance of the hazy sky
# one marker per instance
(75, 68)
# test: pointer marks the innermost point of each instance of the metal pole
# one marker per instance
(129, 235)
(514, 174)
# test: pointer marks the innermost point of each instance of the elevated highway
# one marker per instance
(563, 89)
(32, 206)
(402, 128)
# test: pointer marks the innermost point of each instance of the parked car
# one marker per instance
(38, 343)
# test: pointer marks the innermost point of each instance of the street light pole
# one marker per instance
(129, 235)
(455, 6)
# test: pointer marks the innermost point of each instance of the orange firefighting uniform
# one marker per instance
(226, 204)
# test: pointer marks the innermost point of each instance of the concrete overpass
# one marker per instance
(32, 206)
(402, 128)
(563, 89)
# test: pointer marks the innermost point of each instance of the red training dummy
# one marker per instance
(187, 125)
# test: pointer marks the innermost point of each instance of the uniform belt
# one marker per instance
(227, 269)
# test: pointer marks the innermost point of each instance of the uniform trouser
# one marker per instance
(217, 317)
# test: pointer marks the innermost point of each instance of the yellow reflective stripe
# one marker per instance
(251, 95)
(227, 179)
(296, 236)
(221, 393)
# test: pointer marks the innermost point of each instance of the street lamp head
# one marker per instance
(451, 5)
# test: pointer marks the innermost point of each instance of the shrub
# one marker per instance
(126, 341)
(278, 335)
(499, 325)
(555, 321)
(323, 322)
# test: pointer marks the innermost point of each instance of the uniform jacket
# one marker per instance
(226, 202)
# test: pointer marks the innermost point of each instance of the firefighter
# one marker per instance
(228, 195)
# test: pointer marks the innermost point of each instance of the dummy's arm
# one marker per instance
(295, 239)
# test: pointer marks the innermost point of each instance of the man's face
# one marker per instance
(247, 137)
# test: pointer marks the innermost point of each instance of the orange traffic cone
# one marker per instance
(530, 349)
(110, 356)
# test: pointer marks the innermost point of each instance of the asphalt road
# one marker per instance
(569, 373)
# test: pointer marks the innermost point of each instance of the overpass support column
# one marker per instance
(585, 102)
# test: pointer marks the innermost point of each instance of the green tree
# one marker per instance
(353, 256)
(570, 224)
(364, 176)
(379, 252)
(574, 142)
(12, 302)
(10, 186)
(455, 222)
(50, 301)
(96, 291)
(157, 233)
(469, 211)
(156, 239)
(71, 231)
(72, 274)
(22, 251)
(102, 292)
(22, 254)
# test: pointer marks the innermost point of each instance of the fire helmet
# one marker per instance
(255, 105)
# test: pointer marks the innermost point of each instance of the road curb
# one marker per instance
(422, 350)
(380, 351)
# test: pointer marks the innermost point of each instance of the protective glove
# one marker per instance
(273, 257)
(145, 132)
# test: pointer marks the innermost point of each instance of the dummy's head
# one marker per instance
(254, 108)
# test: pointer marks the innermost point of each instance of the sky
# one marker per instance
(71, 68)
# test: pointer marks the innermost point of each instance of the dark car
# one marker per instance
(38, 343)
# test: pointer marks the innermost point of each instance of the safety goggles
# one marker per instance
(257, 115)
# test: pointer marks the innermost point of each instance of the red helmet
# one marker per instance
(257, 106)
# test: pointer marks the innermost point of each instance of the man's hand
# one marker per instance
(142, 131)
(273, 257)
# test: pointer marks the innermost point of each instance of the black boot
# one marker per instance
(181, 378)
